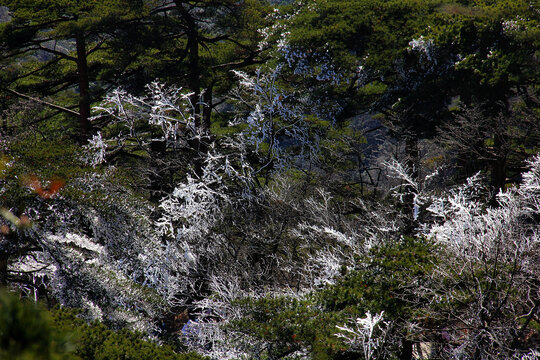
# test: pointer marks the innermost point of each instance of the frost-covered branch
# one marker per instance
(275, 123)
(366, 333)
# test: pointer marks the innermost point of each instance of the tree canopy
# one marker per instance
(319, 179)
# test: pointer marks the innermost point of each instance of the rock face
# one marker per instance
(4, 14)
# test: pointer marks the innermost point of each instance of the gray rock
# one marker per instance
(4, 14)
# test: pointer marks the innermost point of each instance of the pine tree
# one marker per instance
(55, 47)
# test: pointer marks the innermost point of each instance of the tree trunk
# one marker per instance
(406, 350)
(412, 164)
(413, 155)
(194, 81)
(194, 77)
(84, 87)
(3, 269)
(498, 166)
(207, 108)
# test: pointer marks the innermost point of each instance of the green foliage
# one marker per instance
(369, 32)
(387, 279)
(497, 43)
(46, 152)
(290, 325)
(27, 332)
(227, 36)
(64, 17)
(479, 55)
(61, 48)
(341, 156)
(44, 159)
(365, 45)
(96, 342)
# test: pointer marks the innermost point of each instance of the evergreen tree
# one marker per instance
(495, 46)
(54, 47)
(195, 45)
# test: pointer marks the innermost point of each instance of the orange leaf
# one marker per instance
(55, 186)
(33, 182)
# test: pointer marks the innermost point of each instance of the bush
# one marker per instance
(29, 332)
(97, 342)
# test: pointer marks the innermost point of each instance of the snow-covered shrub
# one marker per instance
(490, 268)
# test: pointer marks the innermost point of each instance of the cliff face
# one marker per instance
(4, 14)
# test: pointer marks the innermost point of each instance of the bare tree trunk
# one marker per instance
(412, 164)
(84, 87)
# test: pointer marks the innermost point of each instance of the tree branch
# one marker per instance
(43, 102)
(58, 53)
